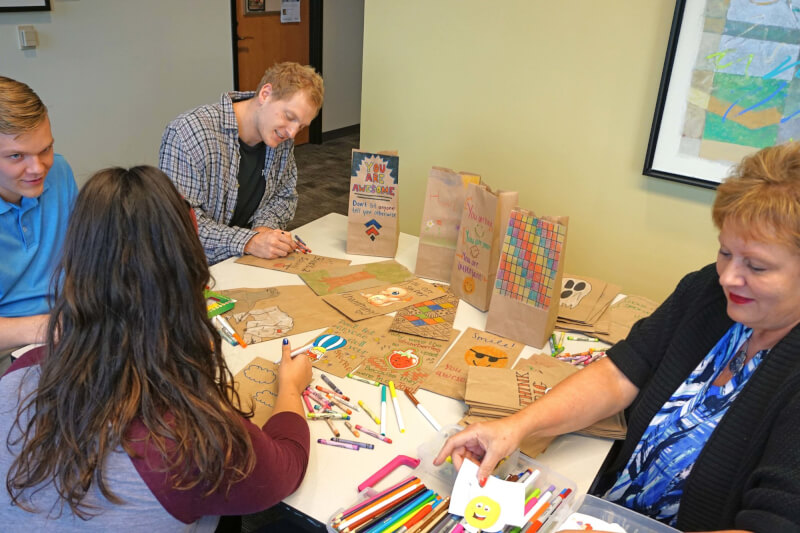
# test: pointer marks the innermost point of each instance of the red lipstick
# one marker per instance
(735, 298)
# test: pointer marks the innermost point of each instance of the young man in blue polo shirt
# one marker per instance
(37, 192)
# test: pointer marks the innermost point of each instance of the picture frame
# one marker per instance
(24, 5)
(727, 89)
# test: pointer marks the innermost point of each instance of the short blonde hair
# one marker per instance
(762, 196)
(287, 78)
(21, 109)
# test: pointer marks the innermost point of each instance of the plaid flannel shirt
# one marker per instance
(200, 153)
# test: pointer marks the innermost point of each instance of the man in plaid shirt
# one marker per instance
(234, 162)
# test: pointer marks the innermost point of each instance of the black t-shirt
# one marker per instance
(251, 183)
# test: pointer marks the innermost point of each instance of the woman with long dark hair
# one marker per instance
(127, 419)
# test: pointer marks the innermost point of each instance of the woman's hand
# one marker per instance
(295, 373)
(487, 442)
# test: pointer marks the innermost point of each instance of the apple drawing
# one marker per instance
(403, 360)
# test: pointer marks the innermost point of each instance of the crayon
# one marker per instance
(330, 383)
(338, 444)
(371, 433)
(369, 412)
(363, 380)
(354, 442)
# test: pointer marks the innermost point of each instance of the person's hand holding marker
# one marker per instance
(270, 243)
(294, 375)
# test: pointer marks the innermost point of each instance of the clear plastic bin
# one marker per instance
(441, 479)
(631, 521)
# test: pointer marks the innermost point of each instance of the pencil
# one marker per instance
(439, 510)
(347, 512)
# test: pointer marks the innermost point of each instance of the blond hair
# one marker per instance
(21, 110)
(287, 78)
(762, 196)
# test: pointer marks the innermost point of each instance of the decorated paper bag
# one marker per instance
(480, 237)
(527, 287)
(441, 217)
(373, 225)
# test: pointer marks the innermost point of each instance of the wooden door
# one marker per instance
(263, 41)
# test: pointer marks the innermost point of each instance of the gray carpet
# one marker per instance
(323, 178)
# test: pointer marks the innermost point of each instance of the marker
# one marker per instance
(371, 433)
(397, 412)
(305, 248)
(587, 339)
(353, 430)
(554, 503)
(223, 332)
(338, 444)
(383, 410)
(363, 380)
(355, 442)
(369, 412)
(544, 500)
(424, 411)
(330, 383)
(304, 349)
(230, 330)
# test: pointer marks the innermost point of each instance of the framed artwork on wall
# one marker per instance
(24, 5)
(729, 87)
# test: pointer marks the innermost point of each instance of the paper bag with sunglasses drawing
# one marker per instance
(474, 348)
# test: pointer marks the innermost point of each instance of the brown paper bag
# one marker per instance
(381, 300)
(526, 294)
(474, 348)
(441, 218)
(373, 225)
(479, 242)
(257, 385)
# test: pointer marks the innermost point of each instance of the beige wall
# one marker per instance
(553, 99)
(113, 73)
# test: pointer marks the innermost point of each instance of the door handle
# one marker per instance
(243, 38)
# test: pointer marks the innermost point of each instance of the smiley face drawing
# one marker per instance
(486, 356)
(482, 512)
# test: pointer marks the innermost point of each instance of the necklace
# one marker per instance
(737, 363)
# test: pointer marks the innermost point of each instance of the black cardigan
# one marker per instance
(748, 474)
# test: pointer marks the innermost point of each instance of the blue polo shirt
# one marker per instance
(31, 235)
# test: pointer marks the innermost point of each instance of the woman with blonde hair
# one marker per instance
(710, 382)
(127, 419)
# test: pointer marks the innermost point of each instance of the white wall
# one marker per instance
(114, 72)
(342, 45)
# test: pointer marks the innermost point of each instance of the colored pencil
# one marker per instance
(372, 499)
(377, 508)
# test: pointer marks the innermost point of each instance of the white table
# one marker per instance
(333, 473)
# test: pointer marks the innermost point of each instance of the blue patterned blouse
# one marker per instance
(652, 481)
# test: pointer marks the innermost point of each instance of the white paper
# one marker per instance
(497, 504)
(290, 11)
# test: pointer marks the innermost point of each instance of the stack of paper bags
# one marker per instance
(496, 392)
(586, 307)
(583, 302)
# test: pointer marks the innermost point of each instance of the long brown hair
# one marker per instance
(129, 338)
